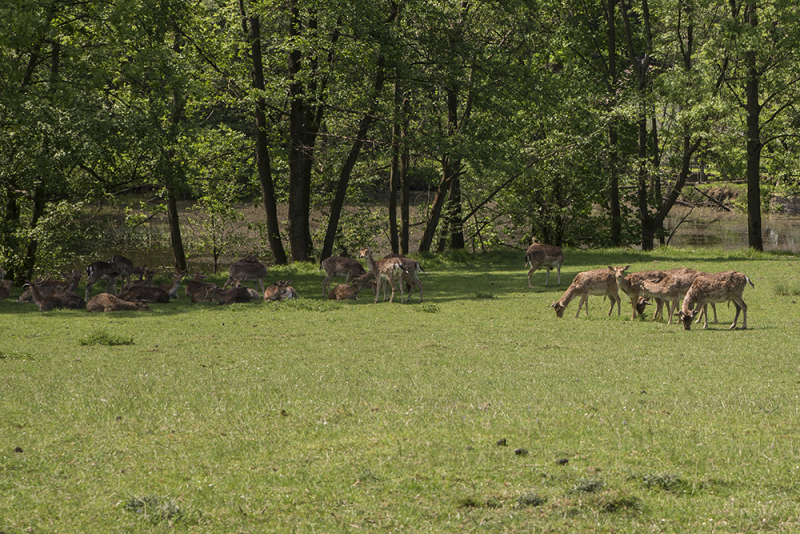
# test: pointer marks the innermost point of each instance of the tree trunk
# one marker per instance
(754, 144)
(262, 146)
(394, 173)
(175, 231)
(455, 224)
(405, 161)
(613, 184)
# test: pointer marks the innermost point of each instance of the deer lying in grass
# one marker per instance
(711, 288)
(48, 288)
(172, 287)
(351, 290)
(233, 295)
(145, 294)
(5, 289)
(388, 269)
(410, 275)
(597, 282)
(106, 302)
(339, 266)
(539, 255)
(280, 290)
(67, 300)
(247, 269)
(197, 290)
(145, 280)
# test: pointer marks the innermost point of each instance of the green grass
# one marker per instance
(318, 416)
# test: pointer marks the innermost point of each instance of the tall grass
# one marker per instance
(337, 417)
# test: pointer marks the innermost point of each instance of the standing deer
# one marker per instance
(5, 289)
(339, 266)
(597, 282)
(631, 284)
(389, 269)
(101, 270)
(106, 302)
(145, 279)
(538, 255)
(711, 288)
(410, 275)
(247, 269)
(124, 268)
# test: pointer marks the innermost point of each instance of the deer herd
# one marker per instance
(393, 272)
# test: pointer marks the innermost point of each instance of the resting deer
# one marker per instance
(233, 295)
(145, 279)
(247, 269)
(389, 269)
(197, 286)
(410, 275)
(339, 266)
(67, 300)
(280, 290)
(539, 255)
(5, 289)
(352, 290)
(106, 302)
(172, 287)
(49, 288)
(711, 288)
(145, 294)
(596, 282)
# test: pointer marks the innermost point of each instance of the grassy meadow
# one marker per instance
(475, 411)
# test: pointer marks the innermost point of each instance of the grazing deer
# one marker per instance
(669, 290)
(711, 288)
(339, 266)
(145, 294)
(351, 290)
(538, 255)
(5, 289)
(247, 269)
(230, 296)
(596, 282)
(690, 274)
(631, 284)
(106, 302)
(172, 287)
(410, 275)
(389, 269)
(67, 300)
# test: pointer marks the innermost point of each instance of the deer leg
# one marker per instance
(547, 276)
(559, 274)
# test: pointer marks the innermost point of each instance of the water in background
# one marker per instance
(705, 228)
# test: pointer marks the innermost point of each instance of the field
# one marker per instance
(475, 411)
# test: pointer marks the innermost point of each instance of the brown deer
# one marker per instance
(389, 269)
(720, 287)
(49, 288)
(410, 275)
(172, 287)
(539, 255)
(280, 290)
(351, 290)
(601, 282)
(106, 302)
(230, 296)
(339, 266)
(101, 270)
(145, 294)
(631, 284)
(197, 286)
(5, 289)
(67, 300)
(124, 268)
(145, 280)
(247, 269)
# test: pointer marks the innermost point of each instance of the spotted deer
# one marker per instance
(352, 290)
(339, 266)
(410, 275)
(106, 302)
(247, 269)
(388, 269)
(539, 255)
(712, 288)
(601, 282)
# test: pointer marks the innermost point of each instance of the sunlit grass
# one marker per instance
(331, 417)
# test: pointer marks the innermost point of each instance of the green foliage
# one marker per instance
(101, 336)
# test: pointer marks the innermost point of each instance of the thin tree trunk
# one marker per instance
(614, 207)
(394, 178)
(405, 161)
(754, 144)
(175, 231)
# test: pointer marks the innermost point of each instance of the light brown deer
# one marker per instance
(172, 287)
(67, 300)
(247, 269)
(280, 290)
(124, 268)
(106, 302)
(539, 255)
(631, 284)
(389, 269)
(339, 266)
(669, 290)
(410, 275)
(48, 288)
(720, 287)
(145, 280)
(600, 282)
(196, 286)
(351, 290)
(689, 275)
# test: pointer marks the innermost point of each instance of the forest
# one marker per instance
(575, 121)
